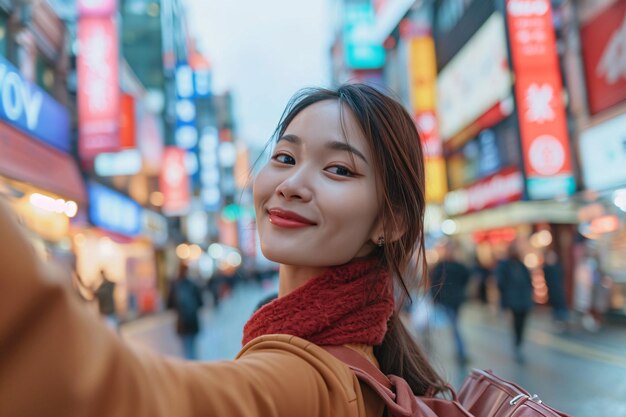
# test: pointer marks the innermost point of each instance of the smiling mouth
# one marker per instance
(288, 219)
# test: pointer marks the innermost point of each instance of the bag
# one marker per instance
(482, 395)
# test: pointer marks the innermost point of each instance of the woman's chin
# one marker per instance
(295, 257)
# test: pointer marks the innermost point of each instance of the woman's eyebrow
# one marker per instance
(290, 138)
(333, 144)
(343, 146)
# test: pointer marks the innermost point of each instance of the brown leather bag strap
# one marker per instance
(394, 391)
(356, 361)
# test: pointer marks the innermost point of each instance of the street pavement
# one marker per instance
(222, 326)
(581, 373)
(576, 372)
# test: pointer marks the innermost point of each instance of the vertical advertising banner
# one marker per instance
(186, 131)
(98, 83)
(423, 72)
(174, 182)
(210, 191)
(128, 128)
(473, 89)
(423, 85)
(538, 92)
(603, 41)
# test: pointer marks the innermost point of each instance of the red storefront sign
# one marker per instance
(127, 122)
(503, 187)
(538, 92)
(174, 182)
(603, 41)
(494, 236)
(98, 87)
(531, 34)
(543, 125)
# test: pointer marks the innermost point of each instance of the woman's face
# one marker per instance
(316, 199)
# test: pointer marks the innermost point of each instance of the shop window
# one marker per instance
(4, 34)
(45, 74)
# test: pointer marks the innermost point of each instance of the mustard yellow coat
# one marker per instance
(57, 359)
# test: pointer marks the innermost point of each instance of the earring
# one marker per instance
(381, 241)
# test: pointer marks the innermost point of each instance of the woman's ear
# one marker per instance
(395, 231)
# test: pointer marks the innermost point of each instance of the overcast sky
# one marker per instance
(263, 51)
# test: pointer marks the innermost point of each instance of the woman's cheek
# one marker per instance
(260, 188)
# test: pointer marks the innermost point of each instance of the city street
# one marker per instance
(580, 373)
(166, 158)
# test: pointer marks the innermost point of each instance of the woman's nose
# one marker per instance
(296, 187)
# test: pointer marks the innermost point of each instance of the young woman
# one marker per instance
(339, 206)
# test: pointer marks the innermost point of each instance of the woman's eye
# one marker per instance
(340, 170)
(284, 159)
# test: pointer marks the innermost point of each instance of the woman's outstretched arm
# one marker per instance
(58, 359)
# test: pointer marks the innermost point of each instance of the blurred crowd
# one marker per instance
(507, 287)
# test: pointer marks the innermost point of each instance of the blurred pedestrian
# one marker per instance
(265, 300)
(105, 294)
(340, 206)
(221, 284)
(481, 273)
(601, 297)
(424, 320)
(448, 285)
(186, 299)
(586, 277)
(516, 295)
(553, 275)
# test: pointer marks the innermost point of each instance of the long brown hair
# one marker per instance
(399, 164)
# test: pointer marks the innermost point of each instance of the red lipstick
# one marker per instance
(288, 219)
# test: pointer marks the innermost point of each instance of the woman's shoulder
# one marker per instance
(291, 355)
(300, 346)
(279, 346)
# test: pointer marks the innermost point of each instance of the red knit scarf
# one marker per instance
(346, 304)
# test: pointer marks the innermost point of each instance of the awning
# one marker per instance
(521, 212)
(28, 160)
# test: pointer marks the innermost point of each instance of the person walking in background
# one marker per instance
(586, 276)
(266, 300)
(448, 281)
(553, 275)
(516, 295)
(105, 294)
(481, 274)
(186, 299)
(601, 297)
